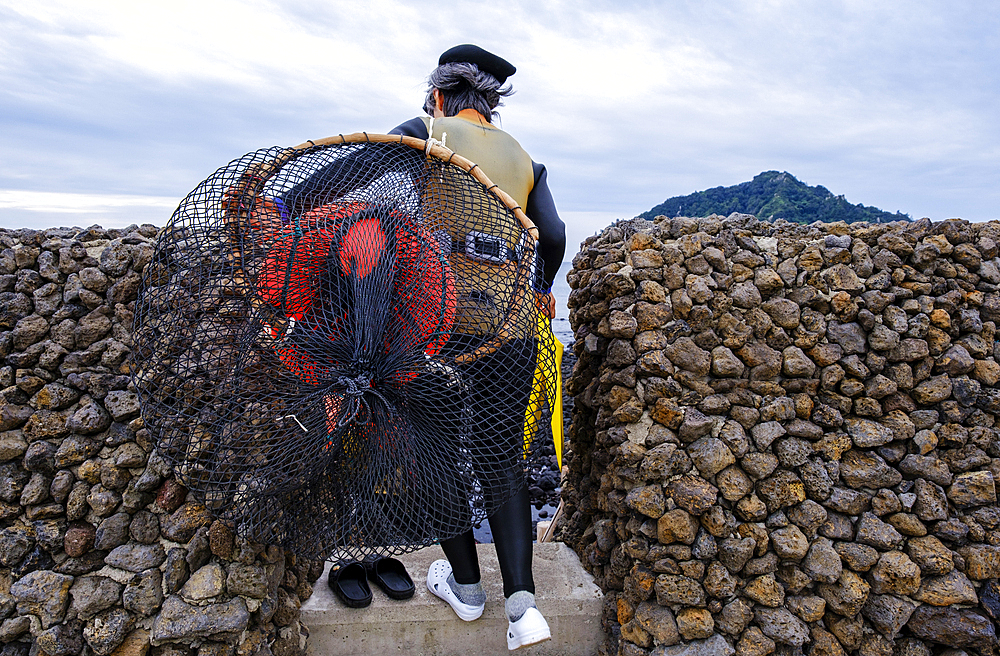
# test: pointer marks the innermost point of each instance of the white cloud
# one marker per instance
(890, 103)
(35, 209)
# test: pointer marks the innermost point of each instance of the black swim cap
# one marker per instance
(487, 62)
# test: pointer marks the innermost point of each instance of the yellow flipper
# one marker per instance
(546, 388)
(557, 411)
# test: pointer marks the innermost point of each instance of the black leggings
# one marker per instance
(511, 527)
(499, 454)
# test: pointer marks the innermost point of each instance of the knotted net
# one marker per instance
(339, 346)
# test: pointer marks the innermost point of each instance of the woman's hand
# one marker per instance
(548, 302)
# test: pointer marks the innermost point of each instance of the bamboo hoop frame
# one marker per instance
(253, 180)
(438, 151)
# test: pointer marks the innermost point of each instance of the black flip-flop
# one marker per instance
(390, 575)
(349, 581)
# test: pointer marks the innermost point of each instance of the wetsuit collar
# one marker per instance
(472, 116)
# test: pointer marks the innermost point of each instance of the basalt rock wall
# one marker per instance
(785, 437)
(101, 552)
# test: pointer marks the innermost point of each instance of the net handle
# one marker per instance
(436, 150)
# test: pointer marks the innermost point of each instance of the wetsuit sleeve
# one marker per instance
(342, 176)
(327, 185)
(541, 210)
(415, 127)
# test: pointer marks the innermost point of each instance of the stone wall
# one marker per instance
(785, 437)
(100, 551)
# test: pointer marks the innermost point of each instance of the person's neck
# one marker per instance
(473, 116)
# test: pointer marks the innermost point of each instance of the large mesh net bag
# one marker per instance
(339, 346)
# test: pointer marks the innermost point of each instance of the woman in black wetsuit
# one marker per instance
(464, 91)
(463, 94)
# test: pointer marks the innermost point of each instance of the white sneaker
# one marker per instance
(437, 583)
(529, 630)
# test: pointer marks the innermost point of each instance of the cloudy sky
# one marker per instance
(111, 111)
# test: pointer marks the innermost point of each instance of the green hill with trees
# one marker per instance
(773, 195)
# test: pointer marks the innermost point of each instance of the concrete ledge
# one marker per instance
(426, 626)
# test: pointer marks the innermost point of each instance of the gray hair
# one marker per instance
(464, 86)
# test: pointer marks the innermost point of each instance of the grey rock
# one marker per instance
(865, 469)
(808, 516)
(198, 549)
(175, 571)
(888, 613)
(850, 336)
(92, 594)
(144, 593)
(793, 452)
(76, 448)
(817, 481)
(62, 639)
(952, 627)
(144, 527)
(12, 445)
(822, 563)
(859, 557)
(931, 503)
(106, 631)
(206, 583)
(682, 590)
(687, 355)
(956, 361)
(951, 589)
(930, 555)
(15, 543)
(136, 557)
(735, 617)
(12, 628)
(847, 596)
(874, 532)
(42, 593)
(713, 646)
(122, 405)
(180, 621)
(759, 465)
(932, 391)
(112, 532)
(115, 259)
(972, 489)
(782, 626)
(695, 425)
(89, 419)
(933, 469)
(766, 433)
(710, 455)
(866, 433)
(735, 552)
(789, 543)
(659, 622)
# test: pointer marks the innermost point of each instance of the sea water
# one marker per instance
(560, 325)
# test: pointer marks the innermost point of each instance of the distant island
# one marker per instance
(773, 195)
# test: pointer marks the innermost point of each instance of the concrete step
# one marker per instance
(426, 626)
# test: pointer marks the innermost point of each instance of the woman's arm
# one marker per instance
(344, 175)
(541, 210)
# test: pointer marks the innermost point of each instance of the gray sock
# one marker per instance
(470, 594)
(518, 603)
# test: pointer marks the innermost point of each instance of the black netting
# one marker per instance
(339, 349)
